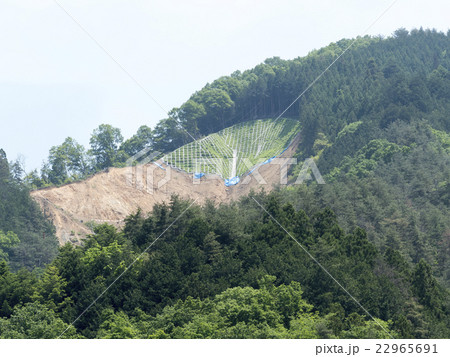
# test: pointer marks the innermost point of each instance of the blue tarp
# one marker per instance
(159, 165)
(232, 181)
(268, 160)
(265, 162)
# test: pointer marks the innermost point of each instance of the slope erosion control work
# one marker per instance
(235, 151)
(107, 197)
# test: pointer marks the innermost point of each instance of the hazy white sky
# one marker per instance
(56, 82)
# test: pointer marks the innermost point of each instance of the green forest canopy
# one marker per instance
(377, 124)
(227, 271)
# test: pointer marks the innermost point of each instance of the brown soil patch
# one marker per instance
(112, 195)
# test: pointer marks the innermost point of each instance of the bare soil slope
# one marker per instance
(112, 195)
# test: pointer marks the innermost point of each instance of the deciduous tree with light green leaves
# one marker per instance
(66, 162)
(34, 320)
(105, 142)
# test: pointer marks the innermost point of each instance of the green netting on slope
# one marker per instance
(235, 150)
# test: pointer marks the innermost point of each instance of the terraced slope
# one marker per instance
(234, 151)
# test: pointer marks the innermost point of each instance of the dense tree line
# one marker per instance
(392, 180)
(70, 161)
(227, 271)
(27, 238)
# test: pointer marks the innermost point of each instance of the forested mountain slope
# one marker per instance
(377, 125)
(376, 122)
(396, 187)
(377, 80)
(207, 277)
(26, 238)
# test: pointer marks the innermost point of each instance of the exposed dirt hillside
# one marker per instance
(112, 195)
